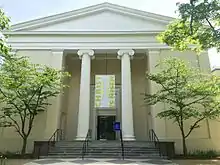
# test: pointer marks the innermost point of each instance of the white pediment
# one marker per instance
(103, 21)
(102, 17)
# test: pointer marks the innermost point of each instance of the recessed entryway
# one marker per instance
(105, 129)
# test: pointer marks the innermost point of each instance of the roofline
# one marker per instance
(215, 68)
(87, 10)
(56, 15)
(81, 32)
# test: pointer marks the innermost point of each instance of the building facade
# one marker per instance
(104, 39)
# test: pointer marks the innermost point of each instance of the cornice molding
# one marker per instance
(23, 33)
(85, 45)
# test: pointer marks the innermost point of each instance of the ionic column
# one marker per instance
(84, 97)
(126, 94)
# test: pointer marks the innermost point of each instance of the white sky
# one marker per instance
(23, 10)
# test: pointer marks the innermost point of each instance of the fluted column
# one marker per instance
(126, 94)
(84, 97)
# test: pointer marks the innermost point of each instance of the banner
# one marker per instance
(105, 91)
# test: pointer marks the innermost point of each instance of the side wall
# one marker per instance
(46, 122)
(205, 137)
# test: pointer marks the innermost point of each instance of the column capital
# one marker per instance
(88, 52)
(128, 52)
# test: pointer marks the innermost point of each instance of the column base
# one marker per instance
(129, 138)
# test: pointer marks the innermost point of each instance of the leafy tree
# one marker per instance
(25, 88)
(190, 96)
(24, 92)
(198, 24)
(4, 25)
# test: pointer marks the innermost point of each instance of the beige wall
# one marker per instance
(205, 137)
(46, 122)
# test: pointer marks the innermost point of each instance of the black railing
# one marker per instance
(153, 137)
(57, 136)
(122, 146)
(86, 144)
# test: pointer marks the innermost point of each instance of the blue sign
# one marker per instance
(117, 126)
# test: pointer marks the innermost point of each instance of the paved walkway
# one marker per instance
(99, 162)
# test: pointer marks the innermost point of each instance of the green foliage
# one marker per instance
(25, 89)
(24, 92)
(2, 159)
(190, 95)
(207, 154)
(16, 155)
(4, 25)
(198, 25)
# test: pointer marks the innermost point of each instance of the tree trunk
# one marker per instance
(184, 146)
(24, 145)
(183, 140)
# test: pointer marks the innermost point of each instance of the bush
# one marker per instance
(204, 154)
(2, 159)
(14, 155)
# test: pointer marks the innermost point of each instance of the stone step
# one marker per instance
(104, 156)
(105, 153)
(116, 144)
(104, 150)
(106, 142)
(98, 152)
(106, 147)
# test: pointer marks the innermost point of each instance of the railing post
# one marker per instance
(85, 144)
(122, 145)
(156, 141)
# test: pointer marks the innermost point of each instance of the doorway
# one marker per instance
(105, 129)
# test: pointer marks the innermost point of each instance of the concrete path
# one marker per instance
(99, 162)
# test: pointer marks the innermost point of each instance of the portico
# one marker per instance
(120, 63)
(126, 94)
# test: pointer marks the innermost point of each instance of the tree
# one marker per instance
(24, 92)
(4, 25)
(25, 88)
(190, 95)
(198, 24)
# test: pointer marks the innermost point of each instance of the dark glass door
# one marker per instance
(105, 129)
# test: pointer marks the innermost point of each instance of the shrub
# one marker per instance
(204, 153)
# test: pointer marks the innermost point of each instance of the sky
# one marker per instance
(24, 10)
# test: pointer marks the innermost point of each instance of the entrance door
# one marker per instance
(105, 129)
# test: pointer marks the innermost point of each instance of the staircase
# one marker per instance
(105, 149)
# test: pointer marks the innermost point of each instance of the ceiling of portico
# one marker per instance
(102, 17)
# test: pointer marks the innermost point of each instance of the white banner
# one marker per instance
(105, 91)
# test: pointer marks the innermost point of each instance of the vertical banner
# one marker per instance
(105, 91)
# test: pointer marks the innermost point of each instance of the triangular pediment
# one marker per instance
(102, 17)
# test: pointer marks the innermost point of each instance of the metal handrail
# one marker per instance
(155, 139)
(86, 144)
(57, 136)
(122, 146)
